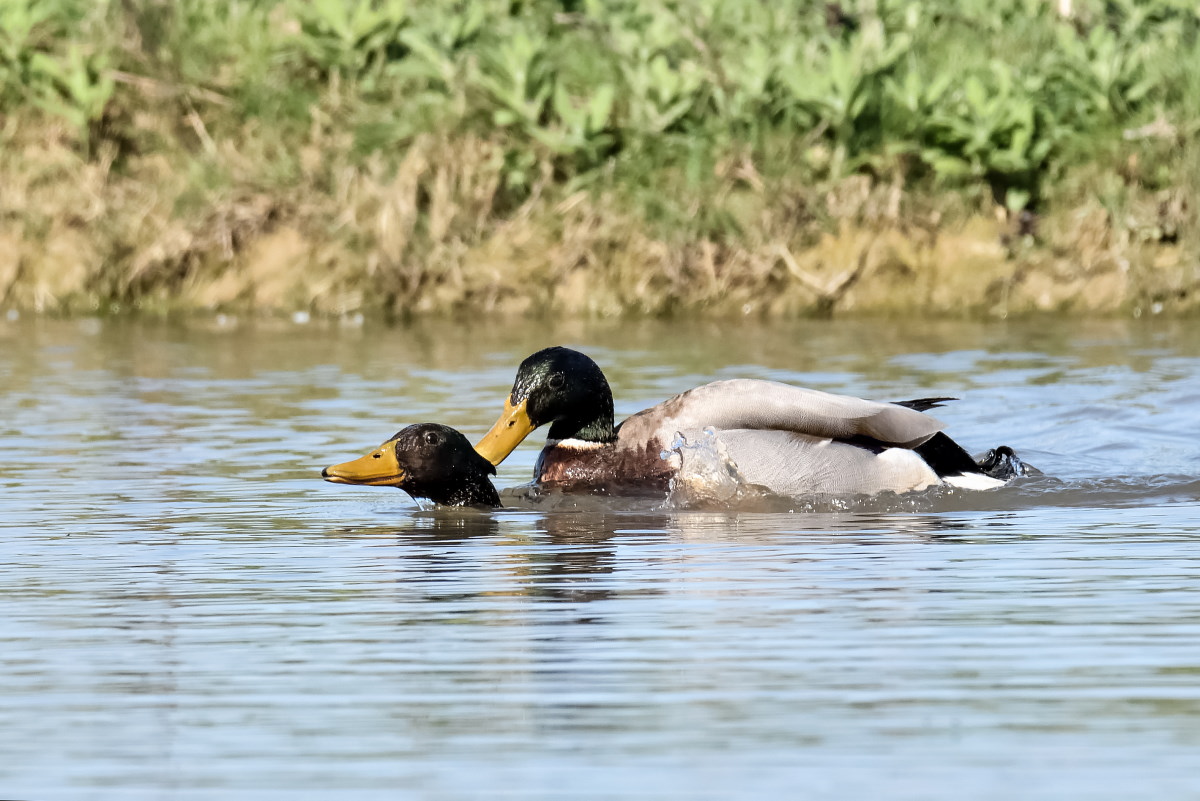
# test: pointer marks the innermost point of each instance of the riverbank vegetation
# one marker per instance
(980, 157)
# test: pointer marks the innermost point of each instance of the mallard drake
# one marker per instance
(426, 460)
(786, 439)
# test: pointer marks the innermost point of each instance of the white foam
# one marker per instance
(973, 481)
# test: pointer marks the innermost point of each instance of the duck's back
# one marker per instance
(743, 403)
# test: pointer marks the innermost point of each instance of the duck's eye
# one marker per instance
(431, 438)
(557, 380)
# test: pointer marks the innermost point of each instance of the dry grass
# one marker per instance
(429, 234)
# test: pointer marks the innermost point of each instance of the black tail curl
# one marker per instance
(1004, 464)
(924, 404)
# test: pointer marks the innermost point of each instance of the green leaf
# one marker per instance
(1016, 199)
(975, 92)
(601, 107)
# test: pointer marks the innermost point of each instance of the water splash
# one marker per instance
(705, 474)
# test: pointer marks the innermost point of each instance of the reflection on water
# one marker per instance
(189, 612)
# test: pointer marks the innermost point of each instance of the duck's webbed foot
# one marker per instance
(1004, 464)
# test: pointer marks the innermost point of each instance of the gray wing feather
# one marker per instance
(796, 465)
(743, 403)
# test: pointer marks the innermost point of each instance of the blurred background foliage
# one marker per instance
(1003, 102)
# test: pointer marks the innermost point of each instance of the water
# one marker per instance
(187, 612)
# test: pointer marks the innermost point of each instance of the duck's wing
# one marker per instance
(798, 465)
(743, 403)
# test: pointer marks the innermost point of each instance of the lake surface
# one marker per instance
(187, 611)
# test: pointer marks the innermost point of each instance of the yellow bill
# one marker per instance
(378, 468)
(508, 432)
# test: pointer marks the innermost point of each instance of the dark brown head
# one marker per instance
(426, 460)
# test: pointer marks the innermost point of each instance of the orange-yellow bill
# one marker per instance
(512, 427)
(378, 468)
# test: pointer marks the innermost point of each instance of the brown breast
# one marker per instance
(604, 468)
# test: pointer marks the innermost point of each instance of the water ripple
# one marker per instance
(190, 613)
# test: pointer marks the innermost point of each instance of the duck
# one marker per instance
(428, 461)
(788, 440)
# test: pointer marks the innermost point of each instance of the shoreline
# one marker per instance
(652, 159)
(583, 253)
